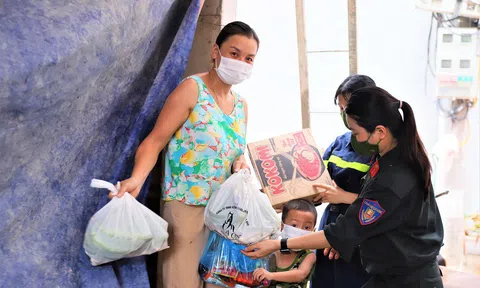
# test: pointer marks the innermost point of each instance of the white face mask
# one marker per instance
(232, 71)
(292, 232)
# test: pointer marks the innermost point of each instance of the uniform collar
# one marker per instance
(349, 141)
(390, 157)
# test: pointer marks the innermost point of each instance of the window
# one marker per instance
(446, 63)
(447, 38)
(466, 38)
(464, 63)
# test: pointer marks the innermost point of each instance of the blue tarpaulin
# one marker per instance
(81, 85)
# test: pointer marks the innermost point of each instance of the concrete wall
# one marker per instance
(208, 27)
(214, 15)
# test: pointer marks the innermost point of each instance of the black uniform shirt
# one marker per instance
(398, 230)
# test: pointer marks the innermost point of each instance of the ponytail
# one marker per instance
(373, 106)
(411, 145)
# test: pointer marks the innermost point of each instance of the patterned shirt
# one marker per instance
(295, 265)
(201, 153)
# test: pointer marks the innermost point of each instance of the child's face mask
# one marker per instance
(292, 232)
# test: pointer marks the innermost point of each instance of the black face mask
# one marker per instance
(361, 148)
(344, 118)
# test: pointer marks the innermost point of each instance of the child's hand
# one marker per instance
(261, 274)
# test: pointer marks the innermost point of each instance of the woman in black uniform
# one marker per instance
(395, 219)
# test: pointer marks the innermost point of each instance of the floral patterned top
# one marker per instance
(201, 153)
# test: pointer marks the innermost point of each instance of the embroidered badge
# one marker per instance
(370, 212)
(374, 169)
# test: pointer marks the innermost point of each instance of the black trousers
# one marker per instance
(428, 276)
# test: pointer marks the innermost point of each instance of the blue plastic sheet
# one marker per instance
(81, 85)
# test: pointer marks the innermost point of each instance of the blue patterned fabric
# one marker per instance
(81, 85)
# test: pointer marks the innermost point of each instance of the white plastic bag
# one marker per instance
(123, 228)
(240, 212)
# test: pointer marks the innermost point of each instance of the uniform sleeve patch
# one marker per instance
(370, 212)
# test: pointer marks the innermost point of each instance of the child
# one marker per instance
(295, 268)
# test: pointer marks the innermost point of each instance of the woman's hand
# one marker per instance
(334, 194)
(239, 164)
(331, 253)
(131, 185)
(262, 249)
(261, 274)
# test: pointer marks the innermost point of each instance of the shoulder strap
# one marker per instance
(200, 84)
(304, 254)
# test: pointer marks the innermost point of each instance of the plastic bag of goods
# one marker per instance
(223, 264)
(240, 212)
(123, 228)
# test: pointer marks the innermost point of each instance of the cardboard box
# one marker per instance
(287, 166)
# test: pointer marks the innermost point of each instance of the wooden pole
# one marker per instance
(352, 37)
(302, 64)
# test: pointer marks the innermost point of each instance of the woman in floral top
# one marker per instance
(203, 124)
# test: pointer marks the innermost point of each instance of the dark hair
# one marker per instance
(300, 205)
(352, 83)
(236, 28)
(373, 106)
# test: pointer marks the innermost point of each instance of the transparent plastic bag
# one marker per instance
(123, 228)
(223, 264)
(240, 212)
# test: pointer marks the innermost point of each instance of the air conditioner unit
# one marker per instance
(439, 6)
(469, 8)
(457, 63)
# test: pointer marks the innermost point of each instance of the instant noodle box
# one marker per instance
(287, 166)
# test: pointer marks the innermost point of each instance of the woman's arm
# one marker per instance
(175, 112)
(240, 162)
(315, 240)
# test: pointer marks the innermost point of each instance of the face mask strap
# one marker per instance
(219, 56)
(380, 140)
